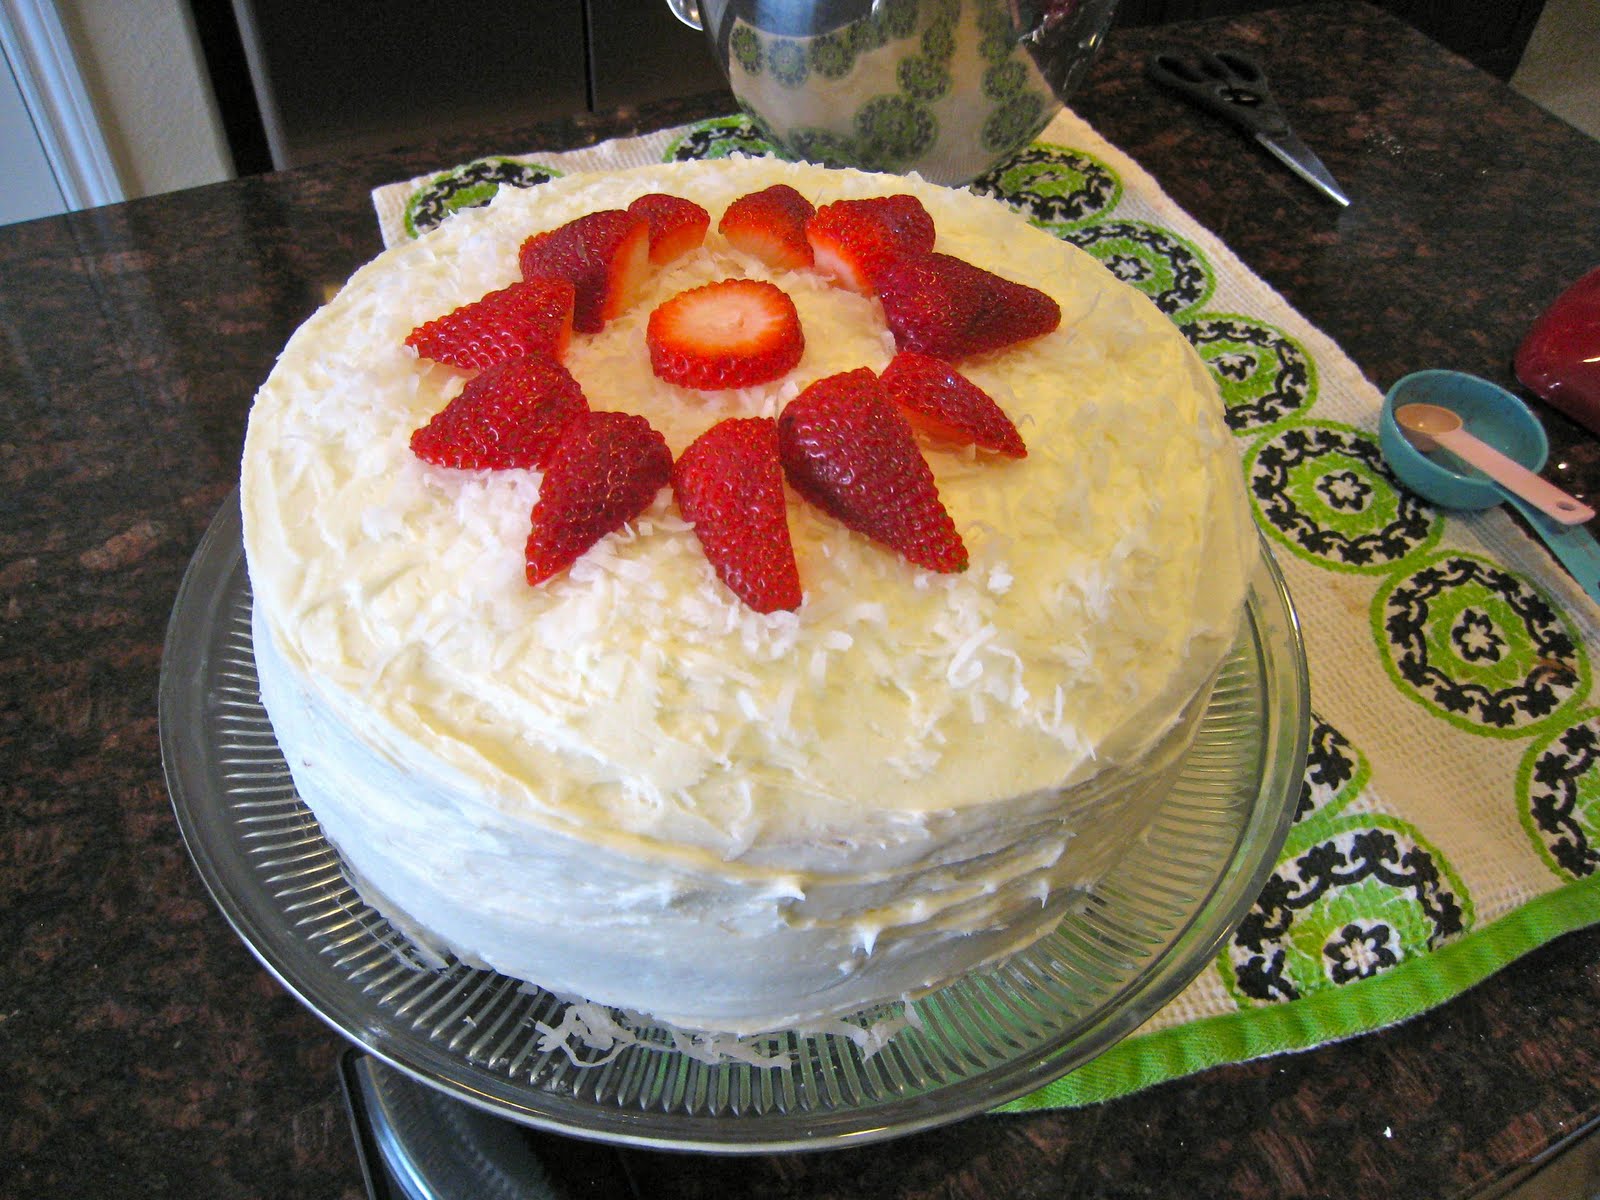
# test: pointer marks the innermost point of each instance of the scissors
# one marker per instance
(1234, 86)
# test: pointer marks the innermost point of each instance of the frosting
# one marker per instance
(625, 785)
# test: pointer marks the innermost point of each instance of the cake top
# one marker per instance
(633, 694)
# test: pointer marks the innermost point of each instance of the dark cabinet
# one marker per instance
(299, 83)
(639, 52)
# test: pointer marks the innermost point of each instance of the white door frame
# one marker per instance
(46, 69)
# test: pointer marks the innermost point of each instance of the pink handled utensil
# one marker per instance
(1431, 427)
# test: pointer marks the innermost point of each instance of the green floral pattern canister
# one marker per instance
(945, 88)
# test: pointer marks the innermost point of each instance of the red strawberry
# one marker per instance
(677, 226)
(606, 256)
(729, 334)
(852, 240)
(729, 484)
(946, 307)
(603, 472)
(847, 450)
(527, 317)
(770, 225)
(944, 404)
(508, 416)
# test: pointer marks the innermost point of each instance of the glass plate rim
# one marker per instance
(1274, 628)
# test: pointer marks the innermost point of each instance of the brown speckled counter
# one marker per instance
(144, 1052)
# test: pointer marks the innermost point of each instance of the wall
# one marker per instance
(141, 65)
(28, 189)
(1561, 70)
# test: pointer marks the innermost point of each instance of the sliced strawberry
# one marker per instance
(603, 472)
(510, 415)
(846, 449)
(729, 485)
(524, 318)
(677, 226)
(770, 225)
(605, 255)
(853, 240)
(947, 406)
(946, 307)
(729, 334)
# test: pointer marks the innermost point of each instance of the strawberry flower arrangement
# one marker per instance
(851, 443)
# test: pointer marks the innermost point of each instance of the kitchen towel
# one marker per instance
(1449, 819)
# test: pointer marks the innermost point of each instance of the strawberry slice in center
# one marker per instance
(730, 334)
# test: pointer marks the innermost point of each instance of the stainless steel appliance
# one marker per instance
(300, 83)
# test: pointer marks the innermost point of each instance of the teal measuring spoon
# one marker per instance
(1573, 545)
(1499, 417)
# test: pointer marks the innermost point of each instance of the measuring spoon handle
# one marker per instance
(1573, 546)
(1539, 492)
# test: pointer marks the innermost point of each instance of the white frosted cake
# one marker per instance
(624, 784)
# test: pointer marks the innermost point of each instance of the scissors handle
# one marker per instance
(1228, 83)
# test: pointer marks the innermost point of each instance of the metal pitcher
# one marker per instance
(945, 88)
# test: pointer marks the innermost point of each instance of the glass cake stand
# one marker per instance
(999, 1033)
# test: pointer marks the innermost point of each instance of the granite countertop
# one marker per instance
(145, 1052)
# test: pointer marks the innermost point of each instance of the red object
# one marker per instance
(944, 404)
(771, 226)
(677, 226)
(729, 484)
(603, 472)
(846, 449)
(606, 256)
(729, 334)
(510, 415)
(525, 318)
(1559, 359)
(852, 241)
(946, 307)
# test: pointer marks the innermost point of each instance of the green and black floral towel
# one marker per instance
(1450, 816)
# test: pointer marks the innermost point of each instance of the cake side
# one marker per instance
(699, 943)
(478, 748)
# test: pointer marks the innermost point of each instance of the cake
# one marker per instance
(626, 785)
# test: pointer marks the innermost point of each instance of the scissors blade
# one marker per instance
(1299, 158)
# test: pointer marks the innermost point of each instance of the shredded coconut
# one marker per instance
(609, 1033)
(519, 767)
